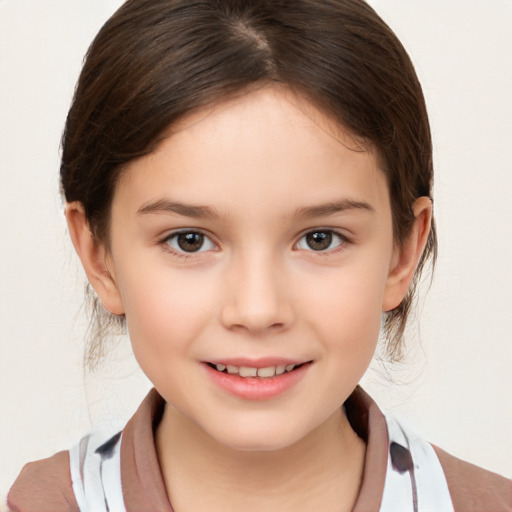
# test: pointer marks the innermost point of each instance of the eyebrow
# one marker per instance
(187, 210)
(333, 207)
(201, 212)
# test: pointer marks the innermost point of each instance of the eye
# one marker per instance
(320, 240)
(189, 242)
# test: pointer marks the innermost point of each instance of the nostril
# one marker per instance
(256, 305)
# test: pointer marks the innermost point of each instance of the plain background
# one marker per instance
(455, 387)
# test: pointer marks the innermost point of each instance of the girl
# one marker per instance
(248, 187)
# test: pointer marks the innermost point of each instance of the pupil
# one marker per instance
(190, 242)
(320, 240)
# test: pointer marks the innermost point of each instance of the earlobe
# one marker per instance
(93, 256)
(406, 257)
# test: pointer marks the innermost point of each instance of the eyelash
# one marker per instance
(184, 255)
(181, 254)
(343, 241)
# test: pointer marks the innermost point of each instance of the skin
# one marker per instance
(269, 169)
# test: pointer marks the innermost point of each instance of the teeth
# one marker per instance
(266, 372)
(246, 371)
(280, 369)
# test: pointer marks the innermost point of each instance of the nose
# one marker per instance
(256, 297)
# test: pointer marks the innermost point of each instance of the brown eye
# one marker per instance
(190, 242)
(320, 240)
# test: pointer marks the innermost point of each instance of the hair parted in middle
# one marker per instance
(156, 61)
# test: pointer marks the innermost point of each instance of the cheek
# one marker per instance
(355, 320)
(350, 333)
(346, 310)
(165, 312)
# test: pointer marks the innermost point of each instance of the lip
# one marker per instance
(261, 362)
(255, 388)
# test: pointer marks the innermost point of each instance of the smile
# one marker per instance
(256, 380)
(247, 371)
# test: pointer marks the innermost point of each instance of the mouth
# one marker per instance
(251, 372)
(258, 380)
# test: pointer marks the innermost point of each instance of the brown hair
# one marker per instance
(155, 61)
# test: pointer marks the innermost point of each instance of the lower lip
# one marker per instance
(255, 388)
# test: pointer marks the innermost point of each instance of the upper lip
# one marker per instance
(261, 362)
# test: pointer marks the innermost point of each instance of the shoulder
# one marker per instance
(474, 489)
(44, 485)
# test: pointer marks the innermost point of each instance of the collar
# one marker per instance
(142, 481)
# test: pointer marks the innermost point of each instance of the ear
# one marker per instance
(94, 257)
(406, 257)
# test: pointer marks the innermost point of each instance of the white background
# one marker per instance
(456, 386)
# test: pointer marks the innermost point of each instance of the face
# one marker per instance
(252, 253)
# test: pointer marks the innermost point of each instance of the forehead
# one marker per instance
(266, 147)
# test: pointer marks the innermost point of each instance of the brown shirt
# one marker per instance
(46, 485)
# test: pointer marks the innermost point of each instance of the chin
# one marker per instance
(259, 436)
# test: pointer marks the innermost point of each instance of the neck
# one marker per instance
(322, 471)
